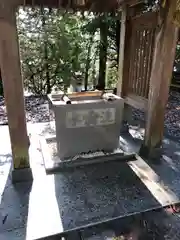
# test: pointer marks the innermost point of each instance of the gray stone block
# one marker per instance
(87, 125)
(21, 175)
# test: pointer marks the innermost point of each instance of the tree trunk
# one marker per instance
(103, 54)
(88, 61)
(118, 29)
(94, 78)
(48, 84)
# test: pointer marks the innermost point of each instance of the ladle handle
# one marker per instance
(66, 99)
(108, 97)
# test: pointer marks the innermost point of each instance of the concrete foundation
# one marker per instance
(56, 204)
(21, 175)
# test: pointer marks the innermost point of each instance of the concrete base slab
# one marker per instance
(57, 204)
(21, 175)
(53, 163)
(156, 224)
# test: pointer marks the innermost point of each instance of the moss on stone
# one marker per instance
(21, 158)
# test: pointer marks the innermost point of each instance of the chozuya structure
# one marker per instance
(147, 50)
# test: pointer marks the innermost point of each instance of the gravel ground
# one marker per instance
(172, 116)
(36, 110)
(153, 225)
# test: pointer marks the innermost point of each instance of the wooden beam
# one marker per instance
(121, 50)
(75, 3)
(13, 86)
(123, 68)
(164, 54)
(136, 102)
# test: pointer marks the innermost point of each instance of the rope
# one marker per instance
(176, 14)
(163, 4)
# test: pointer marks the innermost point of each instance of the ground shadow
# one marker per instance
(5, 168)
(89, 194)
(152, 225)
(167, 168)
(14, 203)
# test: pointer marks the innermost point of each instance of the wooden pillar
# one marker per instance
(13, 85)
(123, 66)
(164, 54)
(121, 50)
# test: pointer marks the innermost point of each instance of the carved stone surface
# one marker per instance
(92, 117)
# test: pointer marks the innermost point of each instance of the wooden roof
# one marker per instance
(94, 5)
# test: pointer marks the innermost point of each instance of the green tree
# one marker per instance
(107, 26)
(59, 49)
(53, 49)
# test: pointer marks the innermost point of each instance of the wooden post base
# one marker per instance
(153, 154)
(22, 175)
(124, 127)
(21, 155)
(127, 118)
